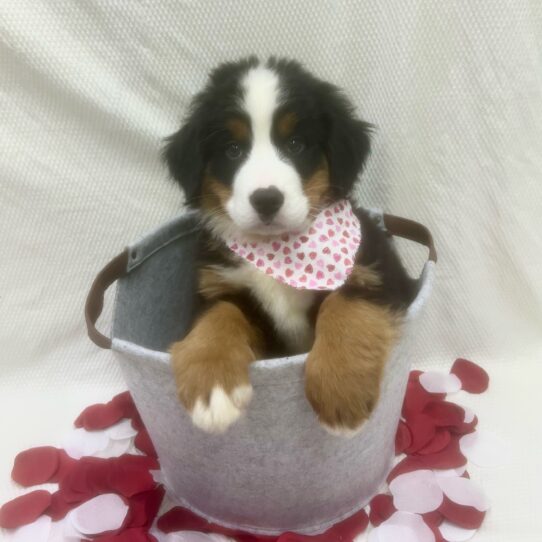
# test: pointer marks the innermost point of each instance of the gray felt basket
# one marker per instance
(275, 469)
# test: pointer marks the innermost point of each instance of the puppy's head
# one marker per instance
(266, 146)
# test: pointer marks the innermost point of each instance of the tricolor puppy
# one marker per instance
(267, 148)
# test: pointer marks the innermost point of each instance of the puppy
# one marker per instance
(264, 148)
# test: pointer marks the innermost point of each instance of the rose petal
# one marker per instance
(129, 535)
(463, 516)
(453, 533)
(449, 472)
(144, 507)
(439, 442)
(381, 509)
(464, 492)
(37, 531)
(144, 443)
(99, 515)
(473, 378)
(125, 402)
(417, 397)
(403, 438)
(24, 509)
(121, 430)
(484, 449)
(435, 382)
(35, 466)
(80, 442)
(100, 416)
(59, 506)
(416, 492)
(444, 413)
(422, 429)
(448, 458)
(433, 519)
(65, 465)
(405, 527)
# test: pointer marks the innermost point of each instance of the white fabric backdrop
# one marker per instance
(89, 89)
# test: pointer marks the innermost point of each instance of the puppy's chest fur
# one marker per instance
(286, 315)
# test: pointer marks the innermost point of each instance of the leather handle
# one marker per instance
(411, 230)
(115, 269)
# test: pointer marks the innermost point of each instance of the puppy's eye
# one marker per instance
(234, 151)
(295, 145)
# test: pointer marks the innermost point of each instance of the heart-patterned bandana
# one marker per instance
(320, 258)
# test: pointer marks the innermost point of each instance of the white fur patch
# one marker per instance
(338, 431)
(264, 167)
(222, 409)
(287, 306)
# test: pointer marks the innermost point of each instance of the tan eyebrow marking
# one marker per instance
(286, 124)
(239, 129)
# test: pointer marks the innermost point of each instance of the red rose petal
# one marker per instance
(381, 509)
(422, 429)
(24, 509)
(408, 464)
(467, 517)
(473, 378)
(144, 443)
(403, 438)
(433, 519)
(129, 535)
(448, 458)
(100, 416)
(35, 466)
(130, 478)
(144, 507)
(60, 506)
(417, 397)
(181, 519)
(439, 442)
(464, 428)
(126, 403)
(444, 413)
(65, 465)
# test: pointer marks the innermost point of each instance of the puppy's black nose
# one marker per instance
(267, 202)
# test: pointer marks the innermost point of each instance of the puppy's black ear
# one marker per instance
(348, 142)
(184, 159)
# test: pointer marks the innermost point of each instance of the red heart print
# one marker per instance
(331, 233)
(329, 222)
(329, 282)
(259, 263)
(342, 240)
(346, 234)
(327, 213)
(319, 275)
(304, 238)
(331, 267)
(312, 231)
(289, 272)
(269, 271)
(253, 245)
(344, 250)
(312, 255)
(301, 255)
(286, 250)
(326, 250)
(288, 260)
(297, 244)
(303, 278)
(270, 256)
(347, 261)
(250, 257)
(235, 246)
(336, 257)
(275, 245)
(322, 238)
(285, 237)
(309, 268)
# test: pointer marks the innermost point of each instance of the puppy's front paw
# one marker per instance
(342, 392)
(212, 382)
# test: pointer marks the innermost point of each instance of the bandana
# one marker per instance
(320, 258)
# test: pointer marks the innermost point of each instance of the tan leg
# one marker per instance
(211, 364)
(345, 366)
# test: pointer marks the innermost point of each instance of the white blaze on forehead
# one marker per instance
(261, 98)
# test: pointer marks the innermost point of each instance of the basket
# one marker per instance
(276, 469)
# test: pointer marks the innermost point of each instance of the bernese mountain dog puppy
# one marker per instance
(265, 146)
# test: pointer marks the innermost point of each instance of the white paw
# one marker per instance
(222, 410)
(341, 431)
